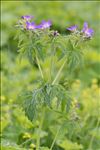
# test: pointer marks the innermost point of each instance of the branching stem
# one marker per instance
(40, 69)
(59, 72)
(52, 59)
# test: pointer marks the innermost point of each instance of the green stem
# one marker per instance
(26, 141)
(40, 127)
(78, 42)
(59, 72)
(61, 114)
(38, 62)
(52, 60)
(55, 138)
(92, 138)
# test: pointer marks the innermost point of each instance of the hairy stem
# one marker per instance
(59, 72)
(55, 138)
(52, 60)
(40, 127)
(38, 62)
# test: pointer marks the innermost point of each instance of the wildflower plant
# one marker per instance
(40, 42)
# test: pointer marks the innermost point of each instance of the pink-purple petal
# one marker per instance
(30, 26)
(72, 28)
(88, 32)
(45, 24)
(27, 17)
(85, 26)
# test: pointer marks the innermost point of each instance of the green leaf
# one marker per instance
(75, 59)
(69, 145)
(46, 95)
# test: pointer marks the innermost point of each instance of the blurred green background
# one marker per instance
(16, 75)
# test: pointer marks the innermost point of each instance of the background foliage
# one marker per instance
(17, 132)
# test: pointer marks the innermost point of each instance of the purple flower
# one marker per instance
(27, 17)
(44, 24)
(30, 26)
(39, 26)
(88, 32)
(72, 28)
(85, 27)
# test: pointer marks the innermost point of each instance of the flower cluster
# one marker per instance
(86, 31)
(27, 24)
(31, 25)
